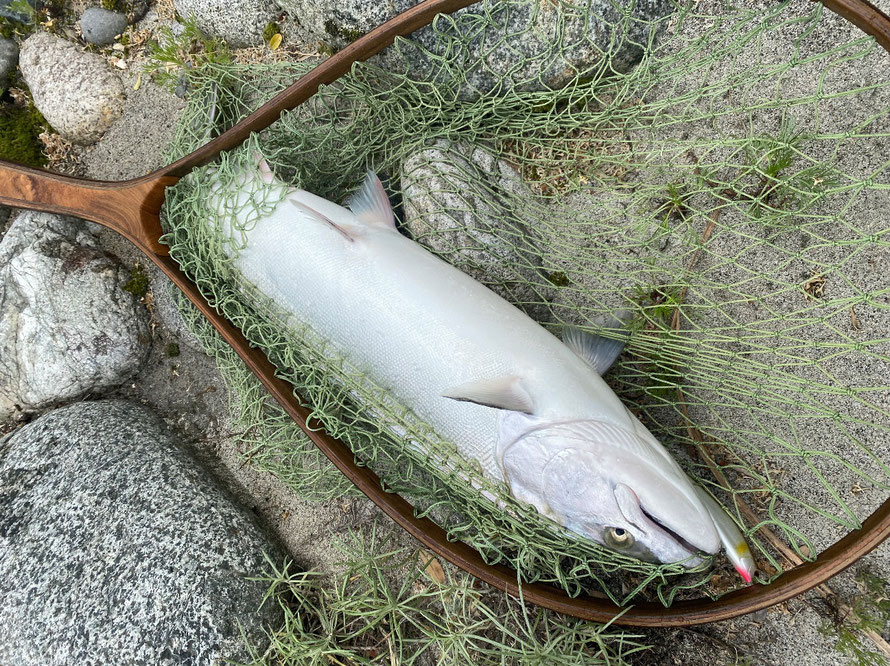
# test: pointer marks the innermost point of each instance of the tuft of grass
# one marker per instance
(10, 28)
(871, 611)
(658, 305)
(770, 182)
(391, 606)
(171, 57)
(663, 360)
(674, 207)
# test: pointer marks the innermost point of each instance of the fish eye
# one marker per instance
(618, 538)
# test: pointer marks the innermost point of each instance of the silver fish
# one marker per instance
(534, 411)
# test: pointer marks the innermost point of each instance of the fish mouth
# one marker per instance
(692, 550)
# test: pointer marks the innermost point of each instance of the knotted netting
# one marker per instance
(727, 195)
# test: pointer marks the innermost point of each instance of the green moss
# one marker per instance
(19, 131)
(138, 283)
(270, 31)
(326, 49)
(336, 30)
(558, 278)
(115, 5)
(172, 350)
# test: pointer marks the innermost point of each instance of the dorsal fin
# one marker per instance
(598, 352)
(371, 205)
(499, 392)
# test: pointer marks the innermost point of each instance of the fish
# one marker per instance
(532, 409)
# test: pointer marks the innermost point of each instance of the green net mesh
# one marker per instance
(728, 195)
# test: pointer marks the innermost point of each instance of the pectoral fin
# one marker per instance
(598, 352)
(312, 213)
(371, 205)
(629, 505)
(500, 393)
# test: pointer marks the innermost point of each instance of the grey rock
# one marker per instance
(100, 26)
(117, 547)
(5, 212)
(239, 22)
(454, 196)
(77, 92)
(67, 328)
(528, 46)
(9, 10)
(9, 57)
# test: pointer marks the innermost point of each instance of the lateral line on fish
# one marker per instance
(322, 217)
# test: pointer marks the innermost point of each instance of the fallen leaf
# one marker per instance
(275, 42)
(431, 567)
(854, 320)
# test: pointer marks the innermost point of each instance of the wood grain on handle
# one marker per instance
(131, 208)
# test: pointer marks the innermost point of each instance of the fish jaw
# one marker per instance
(592, 477)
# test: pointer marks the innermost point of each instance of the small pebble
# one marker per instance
(100, 26)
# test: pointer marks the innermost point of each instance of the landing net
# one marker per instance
(728, 194)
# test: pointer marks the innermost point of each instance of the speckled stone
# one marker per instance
(239, 22)
(100, 26)
(117, 547)
(453, 197)
(67, 327)
(529, 45)
(77, 92)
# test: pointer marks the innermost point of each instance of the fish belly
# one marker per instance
(412, 324)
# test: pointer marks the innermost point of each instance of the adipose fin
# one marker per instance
(598, 352)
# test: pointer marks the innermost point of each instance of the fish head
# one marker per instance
(604, 483)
